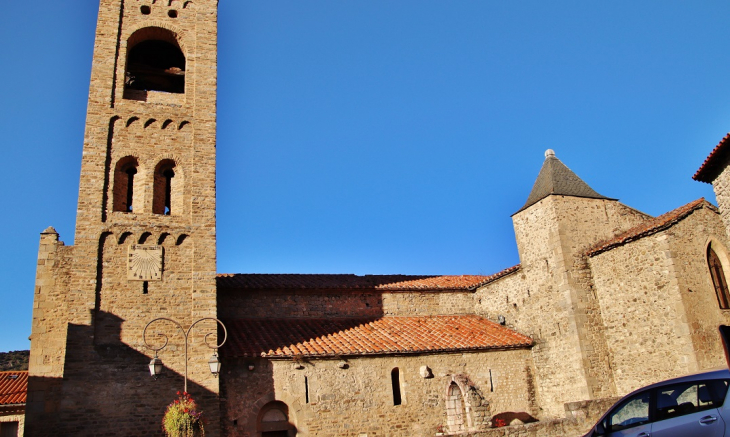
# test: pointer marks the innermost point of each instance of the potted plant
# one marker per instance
(183, 418)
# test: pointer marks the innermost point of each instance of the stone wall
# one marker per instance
(354, 396)
(579, 418)
(657, 302)
(341, 303)
(689, 240)
(643, 313)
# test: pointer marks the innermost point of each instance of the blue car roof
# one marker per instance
(720, 373)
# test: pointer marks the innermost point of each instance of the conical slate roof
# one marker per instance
(556, 178)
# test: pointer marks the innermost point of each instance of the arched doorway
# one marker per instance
(273, 421)
(455, 409)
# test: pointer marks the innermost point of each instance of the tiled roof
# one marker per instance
(556, 178)
(354, 282)
(651, 226)
(13, 387)
(711, 166)
(282, 338)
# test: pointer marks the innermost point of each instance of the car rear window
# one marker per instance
(687, 398)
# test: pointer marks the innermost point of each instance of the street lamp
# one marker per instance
(155, 366)
(156, 363)
(215, 364)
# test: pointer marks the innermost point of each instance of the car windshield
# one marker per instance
(633, 412)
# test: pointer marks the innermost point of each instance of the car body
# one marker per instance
(695, 405)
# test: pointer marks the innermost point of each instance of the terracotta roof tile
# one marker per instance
(708, 170)
(650, 226)
(13, 387)
(282, 338)
(253, 281)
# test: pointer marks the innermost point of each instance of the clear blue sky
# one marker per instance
(380, 136)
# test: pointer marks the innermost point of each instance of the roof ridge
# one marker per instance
(392, 282)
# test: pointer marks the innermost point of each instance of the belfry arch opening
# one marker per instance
(124, 175)
(155, 62)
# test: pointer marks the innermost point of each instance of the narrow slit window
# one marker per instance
(306, 390)
(130, 187)
(395, 381)
(168, 175)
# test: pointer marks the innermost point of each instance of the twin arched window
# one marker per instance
(166, 188)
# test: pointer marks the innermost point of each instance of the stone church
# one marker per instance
(605, 298)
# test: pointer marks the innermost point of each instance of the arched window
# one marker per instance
(155, 62)
(718, 278)
(166, 195)
(455, 409)
(273, 420)
(395, 382)
(123, 198)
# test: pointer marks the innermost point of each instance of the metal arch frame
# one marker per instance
(186, 335)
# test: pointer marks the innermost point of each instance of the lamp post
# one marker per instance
(156, 363)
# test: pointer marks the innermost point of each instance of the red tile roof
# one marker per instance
(286, 338)
(354, 282)
(710, 167)
(651, 226)
(13, 387)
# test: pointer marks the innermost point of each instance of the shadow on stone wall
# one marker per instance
(247, 389)
(107, 390)
(508, 417)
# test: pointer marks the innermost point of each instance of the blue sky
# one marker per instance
(376, 137)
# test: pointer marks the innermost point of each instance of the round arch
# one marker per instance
(273, 421)
(123, 185)
(155, 61)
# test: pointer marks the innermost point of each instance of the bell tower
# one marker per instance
(145, 244)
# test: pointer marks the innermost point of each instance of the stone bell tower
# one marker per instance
(145, 244)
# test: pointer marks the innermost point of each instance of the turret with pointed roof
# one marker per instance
(556, 178)
(561, 218)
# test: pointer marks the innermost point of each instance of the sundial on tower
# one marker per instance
(144, 263)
